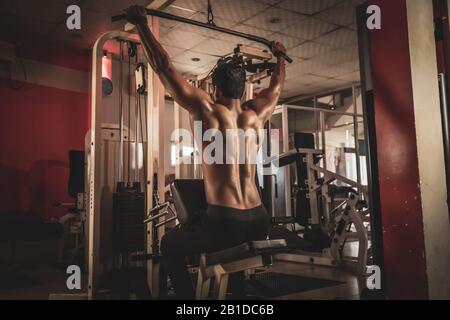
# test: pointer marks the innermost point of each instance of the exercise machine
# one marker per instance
(117, 165)
(333, 215)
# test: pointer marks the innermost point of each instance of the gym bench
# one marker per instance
(249, 255)
(219, 265)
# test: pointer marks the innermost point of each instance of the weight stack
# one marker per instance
(128, 217)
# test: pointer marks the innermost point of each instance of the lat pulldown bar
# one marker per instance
(165, 15)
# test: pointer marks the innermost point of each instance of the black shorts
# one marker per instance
(230, 227)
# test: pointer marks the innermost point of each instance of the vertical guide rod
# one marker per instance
(121, 113)
(356, 132)
(137, 101)
(445, 128)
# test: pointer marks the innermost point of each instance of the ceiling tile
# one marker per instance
(245, 29)
(343, 14)
(300, 77)
(187, 56)
(253, 30)
(352, 65)
(200, 71)
(173, 51)
(339, 38)
(224, 23)
(235, 10)
(210, 65)
(338, 56)
(183, 68)
(178, 12)
(331, 57)
(307, 6)
(163, 30)
(309, 49)
(215, 47)
(309, 79)
(352, 77)
(195, 5)
(308, 28)
(288, 41)
(334, 83)
(304, 67)
(287, 19)
(332, 72)
(303, 90)
(182, 39)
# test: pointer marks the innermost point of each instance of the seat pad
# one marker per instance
(246, 250)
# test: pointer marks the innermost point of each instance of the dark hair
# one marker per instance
(230, 79)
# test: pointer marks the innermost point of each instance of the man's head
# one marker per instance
(229, 80)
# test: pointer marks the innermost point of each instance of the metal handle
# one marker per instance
(165, 222)
(168, 16)
(156, 216)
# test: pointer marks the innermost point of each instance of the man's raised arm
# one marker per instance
(191, 98)
(265, 102)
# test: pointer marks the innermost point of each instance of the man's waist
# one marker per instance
(223, 211)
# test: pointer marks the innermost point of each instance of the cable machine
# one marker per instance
(118, 161)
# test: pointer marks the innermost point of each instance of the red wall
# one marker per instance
(38, 126)
(403, 239)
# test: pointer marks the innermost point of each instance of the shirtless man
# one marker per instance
(235, 213)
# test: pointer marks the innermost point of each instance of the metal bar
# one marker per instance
(136, 137)
(129, 117)
(319, 110)
(168, 16)
(324, 147)
(165, 222)
(121, 113)
(337, 176)
(355, 127)
(153, 4)
(156, 216)
(368, 105)
(445, 126)
(287, 175)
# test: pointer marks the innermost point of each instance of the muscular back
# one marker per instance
(231, 182)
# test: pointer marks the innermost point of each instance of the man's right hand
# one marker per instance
(278, 48)
(136, 14)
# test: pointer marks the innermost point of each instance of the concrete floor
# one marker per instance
(52, 279)
(348, 291)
